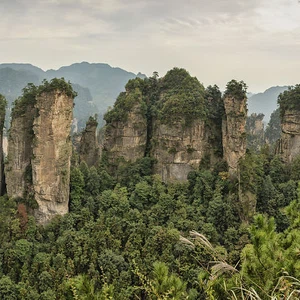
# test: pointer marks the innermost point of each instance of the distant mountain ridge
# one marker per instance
(97, 84)
(265, 102)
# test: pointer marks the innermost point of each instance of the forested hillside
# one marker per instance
(219, 234)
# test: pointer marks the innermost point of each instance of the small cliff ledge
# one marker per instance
(39, 149)
(234, 124)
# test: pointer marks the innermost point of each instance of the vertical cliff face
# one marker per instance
(165, 119)
(89, 149)
(126, 139)
(52, 150)
(2, 119)
(233, 126)
(18, 167)
(126, 130)
(255, 131)
(39, 148)
(178, 149)
(289, 144)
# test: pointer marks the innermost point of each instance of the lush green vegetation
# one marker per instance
(3, 105)
(132, 236)
(128, 237)
(57, 84)
(31, 91)
(236, 89)
(289, 100)
(175, 97)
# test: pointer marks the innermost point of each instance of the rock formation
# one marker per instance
(288, 147)
(178, 149)
(39, 148)
(18, 168)
(89, 149)
(178, 123)
(126, 135)
(255, 131)
(52, 150)
(2, 119)
(233, 130)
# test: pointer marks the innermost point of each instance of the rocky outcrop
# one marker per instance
(52, 150)
(126, 139)
(255, 131)
(89, 149)
(39, 149)
(233, 131)
(18, 168)
(178, 149)
(2, 119)
(289, 144)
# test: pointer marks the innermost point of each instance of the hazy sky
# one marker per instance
(257, 41)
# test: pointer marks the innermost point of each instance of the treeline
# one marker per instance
(128, 237)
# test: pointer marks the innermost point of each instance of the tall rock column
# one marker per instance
(2, 119)
(52, 150)
(89, 149)
(233, 124)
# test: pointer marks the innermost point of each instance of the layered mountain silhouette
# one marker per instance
(97, 84)
(265, 102)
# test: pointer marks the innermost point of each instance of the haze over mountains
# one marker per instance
(98, 85)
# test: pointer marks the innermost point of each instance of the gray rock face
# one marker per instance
(178, 149)
(288, 147)
(89, 149)
(234, 132)
(39, 154)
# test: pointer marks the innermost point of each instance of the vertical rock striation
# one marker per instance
(18, 168)
(52, 150)
(178, 149)
(233, 130)
(2, 119)
(39, 148)
(89, 149)
(288, 146)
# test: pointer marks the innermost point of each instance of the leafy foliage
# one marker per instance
(236, 89)
(289, 100)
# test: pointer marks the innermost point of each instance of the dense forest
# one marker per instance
(129, 235)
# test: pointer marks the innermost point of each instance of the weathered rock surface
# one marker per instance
(126, 139)
(20, 139)
(289, 144)
(2, 119)
(234, 132)
(178, 149)
(89, 149)
(52, 150)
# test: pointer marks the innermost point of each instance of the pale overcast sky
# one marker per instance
(257, 41)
